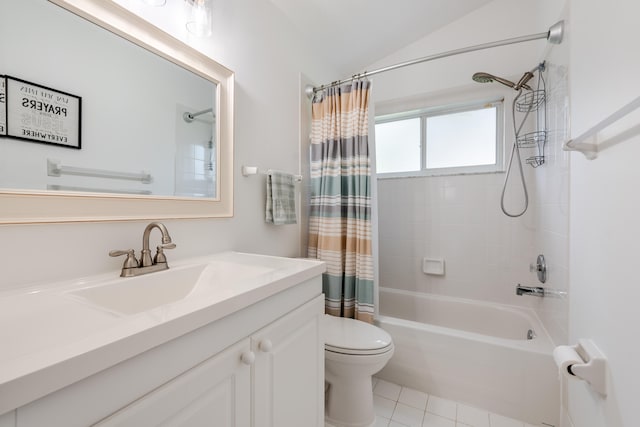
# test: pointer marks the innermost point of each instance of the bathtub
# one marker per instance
(472, 352)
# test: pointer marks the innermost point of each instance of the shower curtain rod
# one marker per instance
(553, 35)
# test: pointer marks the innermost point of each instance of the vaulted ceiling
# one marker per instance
(356, 33)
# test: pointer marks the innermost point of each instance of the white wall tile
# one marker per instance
(465, 227)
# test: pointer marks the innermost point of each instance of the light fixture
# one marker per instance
(200, 17)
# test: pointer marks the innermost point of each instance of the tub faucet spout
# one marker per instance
(535, 291)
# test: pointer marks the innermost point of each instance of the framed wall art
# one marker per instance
(40, 114)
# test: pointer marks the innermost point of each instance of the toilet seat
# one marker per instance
(350, 336)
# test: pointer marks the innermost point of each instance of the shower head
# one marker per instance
(489, 78)
(483, 77)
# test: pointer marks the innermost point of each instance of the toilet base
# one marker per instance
(349, 402)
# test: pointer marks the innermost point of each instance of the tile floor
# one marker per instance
(398, 406)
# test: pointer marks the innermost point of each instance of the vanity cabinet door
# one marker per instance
(288, 373)
(215, 393)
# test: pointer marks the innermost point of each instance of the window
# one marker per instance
(440, 141)
(398, 145)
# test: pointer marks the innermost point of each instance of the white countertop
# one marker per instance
(54, 335)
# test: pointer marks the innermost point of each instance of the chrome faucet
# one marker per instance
(535, 291)
(132, 267)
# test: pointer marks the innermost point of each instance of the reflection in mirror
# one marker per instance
(133, 103)
(156, 118)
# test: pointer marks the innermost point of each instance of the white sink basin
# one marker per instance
(137, 294)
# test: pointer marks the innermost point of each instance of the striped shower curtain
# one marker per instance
(340, 216)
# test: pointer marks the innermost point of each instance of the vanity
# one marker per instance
(231, 339)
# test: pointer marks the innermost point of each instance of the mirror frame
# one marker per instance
(29, 207)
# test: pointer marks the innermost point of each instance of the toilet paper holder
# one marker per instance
(590, 366)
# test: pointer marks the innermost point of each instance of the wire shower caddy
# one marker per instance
(535, 101)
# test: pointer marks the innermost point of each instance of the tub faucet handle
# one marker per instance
(540, 268)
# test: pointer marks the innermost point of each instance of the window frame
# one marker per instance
(424, 113)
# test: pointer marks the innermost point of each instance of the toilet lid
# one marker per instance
(350, 336)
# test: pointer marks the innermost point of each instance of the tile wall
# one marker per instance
(456, 218)
(552, 205)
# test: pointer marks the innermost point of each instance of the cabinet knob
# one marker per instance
(265, 346)
(248, 357)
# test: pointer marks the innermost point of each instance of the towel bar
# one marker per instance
(55, 168)
(588, 142)
(252, 170)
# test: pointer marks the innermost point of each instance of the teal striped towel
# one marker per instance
(281, 198)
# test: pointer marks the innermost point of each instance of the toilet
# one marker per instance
(353, 352)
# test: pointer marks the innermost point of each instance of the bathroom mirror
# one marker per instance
(140, 157)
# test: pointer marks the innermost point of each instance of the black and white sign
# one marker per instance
(37, 113)
(3, 107)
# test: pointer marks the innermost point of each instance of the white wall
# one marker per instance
(604, 209)
(458, 217)
(252, 38)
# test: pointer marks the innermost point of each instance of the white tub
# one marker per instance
(472, 352)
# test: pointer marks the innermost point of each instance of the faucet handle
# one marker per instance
(130, 261)
(160, 257)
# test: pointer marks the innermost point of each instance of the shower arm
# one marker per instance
(522, 83)
(553, 35)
